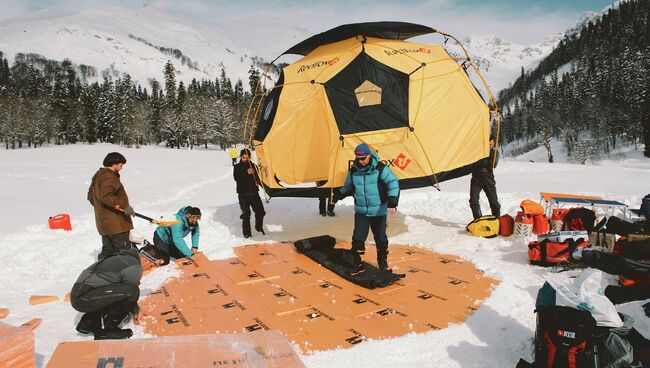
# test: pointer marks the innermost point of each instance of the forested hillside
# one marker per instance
(592, 92)
(46, 101)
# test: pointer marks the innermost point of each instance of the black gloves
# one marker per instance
(392, 202)
(129, 211)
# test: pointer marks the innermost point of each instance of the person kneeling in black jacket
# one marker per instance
(107, 292)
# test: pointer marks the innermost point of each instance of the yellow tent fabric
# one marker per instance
(444, 126)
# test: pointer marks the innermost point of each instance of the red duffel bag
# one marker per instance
(546, 253)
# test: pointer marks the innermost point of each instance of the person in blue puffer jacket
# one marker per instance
(376, 193)
(168, 240)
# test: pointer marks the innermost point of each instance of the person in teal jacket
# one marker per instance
(376, 193)
(169, 240)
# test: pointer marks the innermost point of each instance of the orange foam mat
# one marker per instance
(263, 349)
(16, 346)
(270, 286)
(42, 299)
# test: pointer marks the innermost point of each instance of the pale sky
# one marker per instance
(514, 20)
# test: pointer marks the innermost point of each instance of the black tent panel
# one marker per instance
(350, 117)
(387, 30)
(269, 108)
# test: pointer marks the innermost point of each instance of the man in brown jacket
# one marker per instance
(112, 210)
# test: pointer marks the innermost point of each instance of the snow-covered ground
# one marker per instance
(37, 183)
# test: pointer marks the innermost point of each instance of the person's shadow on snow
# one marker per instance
(500, 336)
(290, 219)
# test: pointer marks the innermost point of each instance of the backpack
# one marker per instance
(485, 226)
(579, 218)
(565, 338)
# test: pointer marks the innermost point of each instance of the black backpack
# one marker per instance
(565, 338)
(579, 218)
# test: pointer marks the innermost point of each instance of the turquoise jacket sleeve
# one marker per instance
(195, 237)
(179, 242)
(347, 187)
(392, 186)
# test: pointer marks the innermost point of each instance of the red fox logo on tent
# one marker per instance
(402, 161)
(333, 61)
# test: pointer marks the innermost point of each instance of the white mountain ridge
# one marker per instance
(140, 41)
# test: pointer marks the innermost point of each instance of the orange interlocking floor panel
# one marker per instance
(16, 346)
(271, 286)
(265, 349)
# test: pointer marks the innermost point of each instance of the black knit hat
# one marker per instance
(114, 158)
(194, 211)
(245, 151)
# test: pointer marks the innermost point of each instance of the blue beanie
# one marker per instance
(362, 150)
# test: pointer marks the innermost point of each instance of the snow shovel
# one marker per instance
(155, 221)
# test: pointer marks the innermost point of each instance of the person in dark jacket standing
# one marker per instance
(376, 192)
(483, 180)
(325, 206)
(245, 175)
(169, 241)
(107, 292)
(111, 204)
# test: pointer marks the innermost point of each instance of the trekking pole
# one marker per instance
(153, 220)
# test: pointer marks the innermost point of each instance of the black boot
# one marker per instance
(382, 260)
(359, 248)
(112, 321)
(113, 334)
(90, 323)
(357, 263)
(246, 228)
(259, 224)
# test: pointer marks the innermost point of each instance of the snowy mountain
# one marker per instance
(501, 60)
(140, 41)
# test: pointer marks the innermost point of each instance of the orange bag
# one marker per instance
(529, 207)
(540, 224)
(506, 225)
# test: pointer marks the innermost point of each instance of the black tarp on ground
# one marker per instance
(615, 264)
(341, 262)
(624, 294)
(635, 249)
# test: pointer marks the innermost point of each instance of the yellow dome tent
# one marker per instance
(362, 83)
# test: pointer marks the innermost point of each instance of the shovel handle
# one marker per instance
(153, 221)
(146, 218)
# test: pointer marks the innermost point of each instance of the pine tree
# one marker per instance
(225, 87)
(223, 123)
(59, 105)
(155, 120)
(180, 99)
(88, 111)
(106, 113)
(170, 85)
